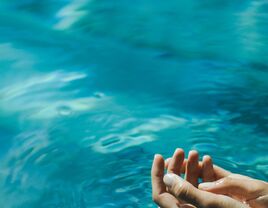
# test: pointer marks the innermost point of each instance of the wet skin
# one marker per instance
(219, 188)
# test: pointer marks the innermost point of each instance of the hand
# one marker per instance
(244, 189)
(193, 169)
(172, 191)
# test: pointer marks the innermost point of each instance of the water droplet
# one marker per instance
(64, 110)
(98, 94)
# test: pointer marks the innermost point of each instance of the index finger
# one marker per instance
(157, 174)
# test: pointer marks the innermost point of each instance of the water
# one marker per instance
(90, 90)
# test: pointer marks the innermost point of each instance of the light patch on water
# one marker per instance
(31, 97)
(73, 76)
(248, 24)
(16, 56)
(70, 14)
(148, 130)
(158, 124)
(57, 78)
(52, 109)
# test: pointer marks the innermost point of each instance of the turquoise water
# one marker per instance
(91, 89)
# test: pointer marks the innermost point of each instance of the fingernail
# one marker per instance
(206, 185)
(169, 179)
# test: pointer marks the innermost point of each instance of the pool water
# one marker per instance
(90, 90)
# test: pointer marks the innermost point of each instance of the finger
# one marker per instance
(183, 167)
(159, 194)
(167, 161)
(192, 171)
(208, 174)
(166, 200)
(157, 174)
(220, 172)
(185, 191)
(235, 185)
(176, 162)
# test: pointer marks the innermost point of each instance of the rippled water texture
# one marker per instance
(91, 89)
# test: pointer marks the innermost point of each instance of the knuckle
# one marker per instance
(178, 190)
(228, 179)
(183, 192)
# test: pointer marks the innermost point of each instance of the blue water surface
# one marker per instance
(90, 90)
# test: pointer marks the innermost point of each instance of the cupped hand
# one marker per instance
(247, 190)
(172, 191)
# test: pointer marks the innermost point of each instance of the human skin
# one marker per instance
(219, 188)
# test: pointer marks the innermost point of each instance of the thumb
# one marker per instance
(235, 185)
(186, 192)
